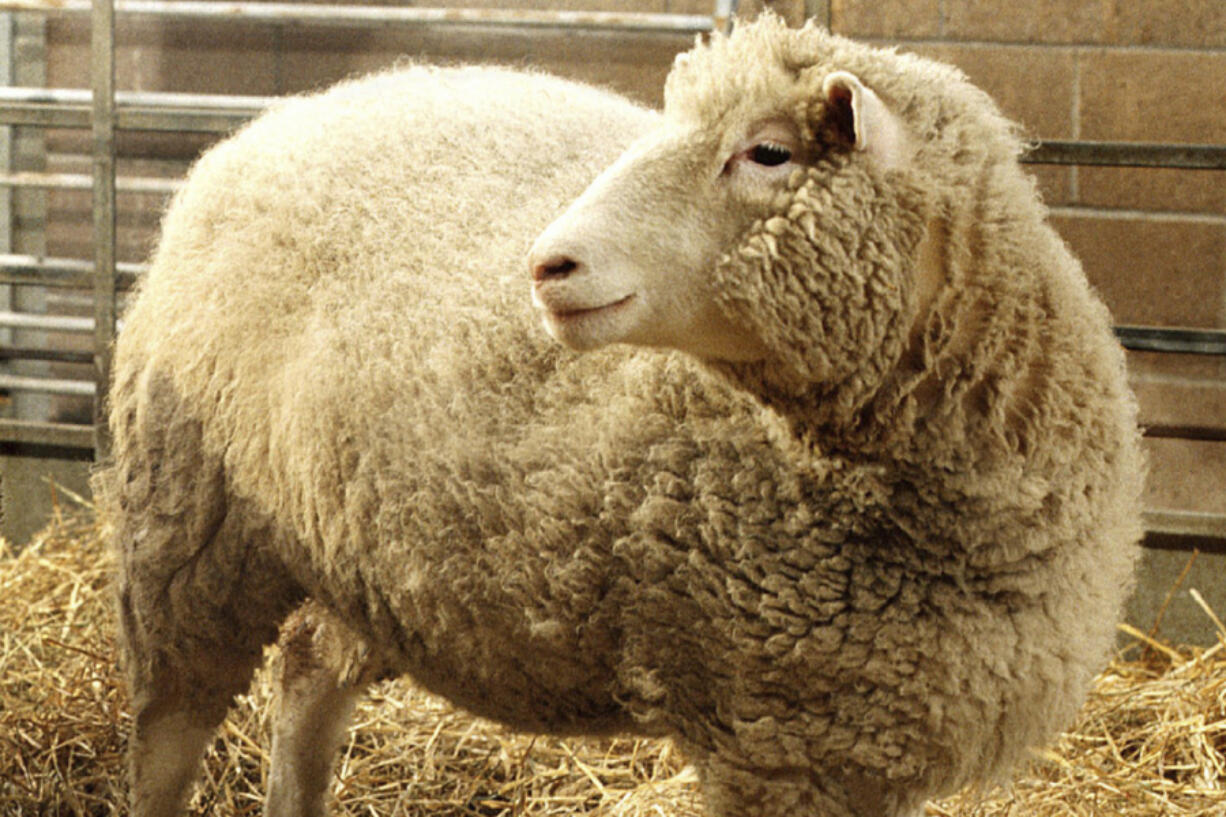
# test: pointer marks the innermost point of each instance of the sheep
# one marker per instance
(824, 463)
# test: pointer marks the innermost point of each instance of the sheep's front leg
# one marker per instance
(324, 668)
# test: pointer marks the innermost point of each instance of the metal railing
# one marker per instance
(1128, 154)
(105, 111)
(103, 125)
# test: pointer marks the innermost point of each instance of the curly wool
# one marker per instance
(875, 566)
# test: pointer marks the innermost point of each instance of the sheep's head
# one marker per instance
(771, 218)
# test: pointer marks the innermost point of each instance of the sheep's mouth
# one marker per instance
(571, 315)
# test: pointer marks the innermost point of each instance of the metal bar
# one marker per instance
(324, 14)
(102, 80)
(60, 435)
(82, 181)
(182, 120)
(66, 115)
(1177, 340)
(82, 97)
(47, 323)
(47, 385)
(136, 110)
(53, 355)
(1128, 154)
(1170, 431)
(1185, 524)
(42, 114)
(72, 273)
(44, 96)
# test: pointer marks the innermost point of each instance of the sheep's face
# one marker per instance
(631, 260)
(731, 232)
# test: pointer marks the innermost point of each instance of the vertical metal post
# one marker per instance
(8, 59)
(819, 10)
(102, 74)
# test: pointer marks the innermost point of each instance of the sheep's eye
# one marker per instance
(769, 155)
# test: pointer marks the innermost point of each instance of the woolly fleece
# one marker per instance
(872, 567)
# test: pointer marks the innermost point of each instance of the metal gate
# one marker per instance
(104, 111)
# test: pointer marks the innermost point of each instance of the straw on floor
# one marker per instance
(1151, 740)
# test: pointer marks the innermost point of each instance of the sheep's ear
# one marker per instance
(865, 121)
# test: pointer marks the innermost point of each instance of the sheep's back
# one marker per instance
(352, 265)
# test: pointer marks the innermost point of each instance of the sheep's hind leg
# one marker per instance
(178, 700)
(193, 634)
(164, 754)
(201, 587)
(324, 667)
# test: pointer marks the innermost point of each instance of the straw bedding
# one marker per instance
(1151, 741)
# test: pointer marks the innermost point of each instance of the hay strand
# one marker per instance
(1151, 740)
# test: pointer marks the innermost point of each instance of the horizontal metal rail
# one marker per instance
(52, 355)
(71, 273)
(58, 435)
(74, 97)
(83, 181)
(47, 385)
(1128, 154)
(358, 15)
(1179, 529)
(1172, 340)
(136, 110)
(1176, 431)
(46, 323)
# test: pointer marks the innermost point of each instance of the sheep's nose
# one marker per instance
(553, 267)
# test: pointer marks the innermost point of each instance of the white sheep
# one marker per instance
(861, 541)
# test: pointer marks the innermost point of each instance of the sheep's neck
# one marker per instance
(939, 400)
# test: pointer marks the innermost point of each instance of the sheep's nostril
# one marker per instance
(556, 267)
